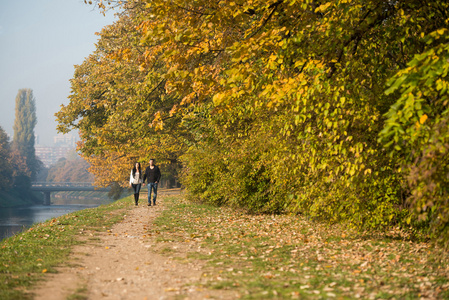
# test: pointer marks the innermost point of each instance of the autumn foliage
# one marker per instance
(6, 167)
(332, 109)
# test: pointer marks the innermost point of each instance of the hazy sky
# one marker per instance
(40, 42)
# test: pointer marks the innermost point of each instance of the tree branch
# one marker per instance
(274, 6)
(357, 37)
(154, 89)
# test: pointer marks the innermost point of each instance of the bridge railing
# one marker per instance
(62, 184)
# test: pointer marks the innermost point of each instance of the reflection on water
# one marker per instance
(14, 220)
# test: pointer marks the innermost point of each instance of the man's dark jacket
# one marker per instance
(152, 175)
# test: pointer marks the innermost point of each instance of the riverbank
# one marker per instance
(191, 251)
(180, 250)
(26, 257)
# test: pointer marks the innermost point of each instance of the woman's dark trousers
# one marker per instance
(136, 188)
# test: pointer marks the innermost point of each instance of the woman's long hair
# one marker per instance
(134, 169)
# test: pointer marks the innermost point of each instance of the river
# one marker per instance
(15, 220)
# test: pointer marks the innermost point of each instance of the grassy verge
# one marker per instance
(289, 257)
(26, 256)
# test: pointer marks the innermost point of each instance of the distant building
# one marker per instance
(64, 140)
(63, 144)
(50, 155)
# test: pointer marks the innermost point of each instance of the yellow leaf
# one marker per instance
(323, 7)
(441, 31)
(423, 119)
(417, 125)
(218, 98)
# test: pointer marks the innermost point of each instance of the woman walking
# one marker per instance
(135, 181)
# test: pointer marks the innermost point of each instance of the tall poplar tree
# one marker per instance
(23, 140)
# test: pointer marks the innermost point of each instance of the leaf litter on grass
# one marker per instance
(26, 257)
(286, 256)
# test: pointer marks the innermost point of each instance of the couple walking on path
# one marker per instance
(152, 175)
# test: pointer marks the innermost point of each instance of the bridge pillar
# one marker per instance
(47, 199)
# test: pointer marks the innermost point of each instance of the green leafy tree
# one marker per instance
(417, 132)
(23, 140)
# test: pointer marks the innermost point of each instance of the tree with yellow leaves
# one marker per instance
(275, 105)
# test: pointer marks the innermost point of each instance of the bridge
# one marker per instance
(48, 187)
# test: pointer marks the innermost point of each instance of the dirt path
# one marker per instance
(121, 264)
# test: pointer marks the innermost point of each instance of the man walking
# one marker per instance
(153, 174)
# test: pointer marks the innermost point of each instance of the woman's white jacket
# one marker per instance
(135, 179)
